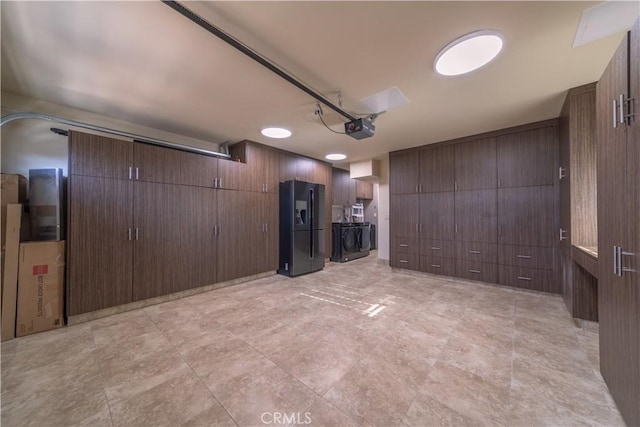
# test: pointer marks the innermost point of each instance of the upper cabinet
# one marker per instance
(475, 165)
(404, 173)
(364, 190)
(198, 170)
(156, 164)
(99, 156)
(437, 169)
(263, 163)
(527, 158)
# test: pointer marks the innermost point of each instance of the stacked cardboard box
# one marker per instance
(32, 272)
(40, 287)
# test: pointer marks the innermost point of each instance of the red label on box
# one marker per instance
(40, 269)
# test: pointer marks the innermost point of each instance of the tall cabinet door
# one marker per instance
(527, 158)
(197, 237)
(404, 173)
(527, 216)
(235, 236)
(158, 215)
(437, 169)
(404, 212)
(475, 165)
(617, 295)
(437, 215)
(476, 216)
(93, 155)
(99, 249)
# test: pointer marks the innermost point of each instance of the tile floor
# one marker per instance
(354, 344)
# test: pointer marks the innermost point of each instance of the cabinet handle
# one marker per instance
(129, 233)
(421, 188)
(433, 248)
(421, 227)
(456, 228)
(137, 174)
(563, 234)
(619, 269)
(561, 174)
(524, 278)
(417, 225)
(403, 245)
(475, 271)
(475, 252)
(137, 233)
(615, 120)
(130, 172)
(402, 261)
(524, 256)
(435, 266)
(266, 188)
(220, 182)
(455, 185)
(499, 182)
(621, 110)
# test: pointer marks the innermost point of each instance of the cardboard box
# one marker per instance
(40, 287)
(14, 191)
(10, 273)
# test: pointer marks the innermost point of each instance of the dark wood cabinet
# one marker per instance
(338, 189)
(156, 164)
(232, 175)
(158, 229)
(404, 175)
(437, 169)
(528, 278)
(578, 199)
(409, 261)
(439, 266)
(364, 190)
(618, 192)
(476, 216)
(527, 216)
(288, 166)
(263, 164)
(437, 215)
(100, 246)
(474, 270)
(93, 155)
(475, 165)
(305, 169)
(404, 215)
(462, 215)
(527, 158)
(262, 233)
(197, 170)
(235, 234)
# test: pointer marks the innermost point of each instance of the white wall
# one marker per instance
(29, 144)
(383, 210)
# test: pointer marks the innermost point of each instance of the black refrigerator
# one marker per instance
(301, 228)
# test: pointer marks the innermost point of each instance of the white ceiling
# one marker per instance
(144, 63)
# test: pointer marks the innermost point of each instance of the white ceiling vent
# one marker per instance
(365, 170)
(605, 19)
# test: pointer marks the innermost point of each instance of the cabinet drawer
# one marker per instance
(405, 260)
(474, 270)
(438, 265)
(526, 256)
(405, 245)
(529, 278)
(481, 252)
(438, 248)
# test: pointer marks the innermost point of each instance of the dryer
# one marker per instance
(347, 241)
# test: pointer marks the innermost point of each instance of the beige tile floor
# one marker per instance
(354, 344)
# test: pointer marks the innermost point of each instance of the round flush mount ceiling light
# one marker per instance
(469, 52)
(335, 156)
(276, 132)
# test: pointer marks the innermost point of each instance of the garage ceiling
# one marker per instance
(144, 63)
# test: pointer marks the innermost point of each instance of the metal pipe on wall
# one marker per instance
(27, 115)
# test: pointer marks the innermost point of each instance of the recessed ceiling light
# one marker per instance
(469, 52)
(276, 132)
(335, 156)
